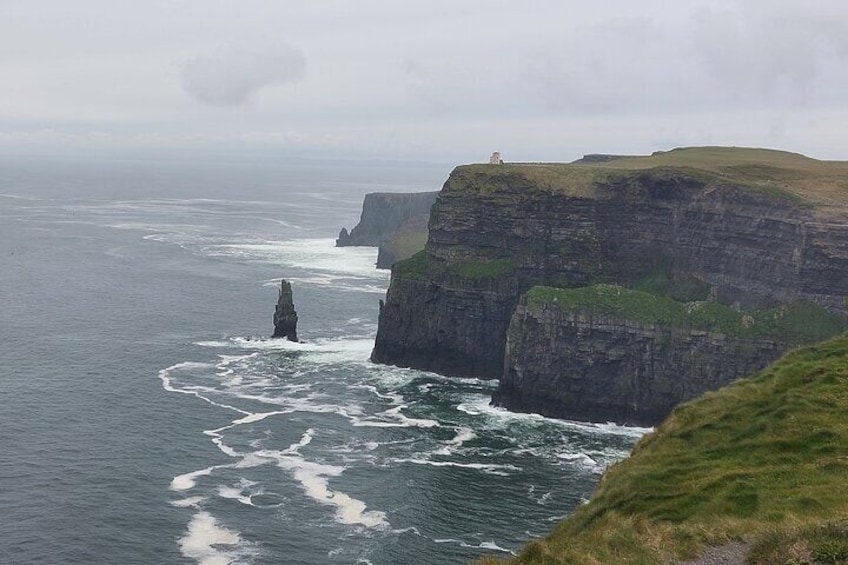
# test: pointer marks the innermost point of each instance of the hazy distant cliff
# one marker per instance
(396, 223)
(746, 228)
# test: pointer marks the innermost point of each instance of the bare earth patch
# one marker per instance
(728, 554)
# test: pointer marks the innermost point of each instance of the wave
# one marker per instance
(309, 255)
(490, 468)
(477, 406)
(400, 420)
(327, 350)
(462, 435)
(343, 282)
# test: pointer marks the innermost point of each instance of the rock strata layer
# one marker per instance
(496, 232)
(285, 316)
(584, 365)
(395, 223)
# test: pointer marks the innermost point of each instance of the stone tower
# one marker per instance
(495, 159)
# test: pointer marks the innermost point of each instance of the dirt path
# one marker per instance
(729, 554)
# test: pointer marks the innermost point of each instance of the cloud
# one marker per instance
(230, 76)
(731, 55)
(781, 55)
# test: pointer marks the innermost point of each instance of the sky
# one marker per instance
(441, 80)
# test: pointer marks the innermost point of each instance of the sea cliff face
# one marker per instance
(497, 231)
(584, 363)
(395, 223)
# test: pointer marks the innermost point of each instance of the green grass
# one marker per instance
(764, 460)
(779, 174)
(797, 323)
(820, 543)
(420, 267)
(416, 267)
(494, 268)
(550, 177)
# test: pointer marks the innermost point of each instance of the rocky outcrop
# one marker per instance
(495, 232)
(395, 223)
(285, 316)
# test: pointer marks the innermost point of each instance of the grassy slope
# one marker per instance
(821, 182)
(764, 460)
(797, 323)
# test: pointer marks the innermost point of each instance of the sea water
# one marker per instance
(146, 417)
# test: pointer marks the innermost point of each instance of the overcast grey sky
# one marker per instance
(435, 80)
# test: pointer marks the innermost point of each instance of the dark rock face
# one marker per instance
(454, 329)
(285, 316)
(580, 366)
(396, 223)
(746, 247)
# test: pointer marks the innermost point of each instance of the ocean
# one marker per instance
(146, 417)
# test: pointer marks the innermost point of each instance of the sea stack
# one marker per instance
(285, 316)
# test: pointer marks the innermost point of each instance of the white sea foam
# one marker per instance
(314, 480)
(477, 405)
(345, 350)
(257, 416)
(311, 255)
(492, 469)
(319, 351)
(400, 420)
(188, 480)
(410, 529)
(192, 501)
(165, 375)
(581, 459)
(337, 282)
(388, 376)
(462, 435)
(209, 543)
(490, 545)
(232, 493)
(395, 397)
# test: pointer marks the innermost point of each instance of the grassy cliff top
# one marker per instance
(797, 323)
(820, 182)
(764, 460)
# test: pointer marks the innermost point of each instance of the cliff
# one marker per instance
(760, 462)
(606, 353)
(748, 228)
(395, 223)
